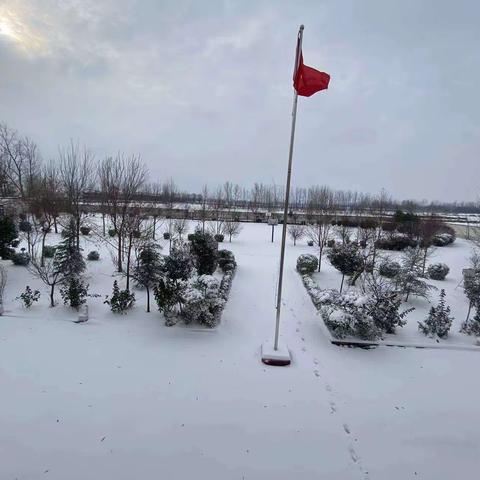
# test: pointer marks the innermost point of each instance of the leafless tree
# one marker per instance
(232, 228)
(3, 284)
(120, 180)
(296, 232)
(76, 176)
(180, 227)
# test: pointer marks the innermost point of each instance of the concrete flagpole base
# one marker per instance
(278, 358)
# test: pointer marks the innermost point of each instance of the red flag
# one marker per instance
(307, 80)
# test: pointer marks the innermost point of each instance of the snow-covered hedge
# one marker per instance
(351, 314)
(389, 268)
(438, 271)
(307, 263)
(443, 239)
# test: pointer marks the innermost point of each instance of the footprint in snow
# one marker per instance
(346, 428)
(353, 454)
(333, 407)
(317, 373)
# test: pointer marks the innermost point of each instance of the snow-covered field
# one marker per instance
(124, 397)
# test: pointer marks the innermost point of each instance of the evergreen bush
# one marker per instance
(438, 271)
(93, 255)
(307, 264)
(29, 296)
(438, 321)
(121, 300)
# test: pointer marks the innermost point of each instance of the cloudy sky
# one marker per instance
(202, 89)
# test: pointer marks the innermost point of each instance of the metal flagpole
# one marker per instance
(287, 194)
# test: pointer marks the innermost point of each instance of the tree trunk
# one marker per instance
(42, 260)
(55, 224)
(129, 252)
(52, 291)
(148, 300)
(119, 246)
(103, 223)
(341, 285)
(154, 226)
(469, 310)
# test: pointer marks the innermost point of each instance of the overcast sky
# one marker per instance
(202, 89)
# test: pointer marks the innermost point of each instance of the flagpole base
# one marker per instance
(277, 358)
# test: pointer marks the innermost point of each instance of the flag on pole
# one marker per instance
(307, 80)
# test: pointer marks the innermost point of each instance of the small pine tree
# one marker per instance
(121, 300)
(74, 292)
(147, 270)
(205, 250)
(68, 258)
(439, 321)
(8, 233)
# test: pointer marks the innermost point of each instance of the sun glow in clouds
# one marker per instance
(14, 29)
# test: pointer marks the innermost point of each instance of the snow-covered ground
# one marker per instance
(124, 397)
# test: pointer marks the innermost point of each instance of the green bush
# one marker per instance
(219, 237)
(112, 232)
(49, 251)
(307, 263)
(93, 255)
(85, 230)
(226, 260)
(21, 258)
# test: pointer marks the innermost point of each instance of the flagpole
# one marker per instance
(287, 196)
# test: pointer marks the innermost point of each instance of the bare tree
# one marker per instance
(296, 232)
(76, 176)
(120, 180)
(232, 228)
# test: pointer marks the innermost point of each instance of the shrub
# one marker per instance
(389, 269)
(438, 271)
(438, 321)
(166, 236)
(443, 239)
(121, 300)
(471, 326)
(331, 243)
(85, 230)
(29, 296)
(93, 255)
(226, 260)
(8, 232)
(74, 292)
(219, 237)
(7, 253)
(396, 242)
(348, 315)
(310, 243)
(190, 237)
(202, 302)
(112, 232)
(25, 226)
(21, 258)
(15, 243)
(49, 251)
(346, 259)
(307, 264)
(205, 250)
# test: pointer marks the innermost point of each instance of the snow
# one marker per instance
(123, 396)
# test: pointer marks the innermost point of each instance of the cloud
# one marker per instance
(189, 83)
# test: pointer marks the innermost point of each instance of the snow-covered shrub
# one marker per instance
(438, 321)
(409, 280)
(307, 263)
(389, 268)
(74, 292)
(438, 271)
(204, 249)
(310, 243)
(85, 230)
(166, 235)
(121, 300)
(21, 258)
(112, 232)
(219, 237)
(226, 260)
(25, 226)
(49, 251)
(443, 239)
(471, 326)
(68, 258)
(93, 255)
(350, 315)
(395, 242)
(29, 296)
(202, 302)
(346, 259)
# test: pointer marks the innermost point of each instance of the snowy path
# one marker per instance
(126, 397)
